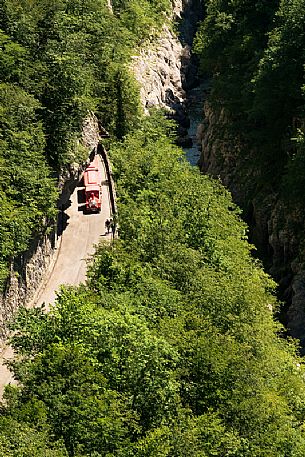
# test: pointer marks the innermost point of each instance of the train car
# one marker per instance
(92, 183)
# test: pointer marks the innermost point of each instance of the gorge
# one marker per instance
(275, 219)
(170, 347)
(249, 137)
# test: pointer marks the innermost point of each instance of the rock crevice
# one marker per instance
(166, 70)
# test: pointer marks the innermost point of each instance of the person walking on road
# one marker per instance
(111, 225)
(108, 225)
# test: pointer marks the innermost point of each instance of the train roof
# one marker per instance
(92, 188)
(91, 177)
(94, 164)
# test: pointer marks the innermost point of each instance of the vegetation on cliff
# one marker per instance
(60, 60)
(254, 51)
(170, 349)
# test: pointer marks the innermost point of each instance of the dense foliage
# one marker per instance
(254, 51)
(60, 60)
(170, 349)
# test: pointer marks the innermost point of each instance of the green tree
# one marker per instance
(19, 440)
(25, 178)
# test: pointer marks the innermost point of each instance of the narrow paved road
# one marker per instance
(76, 246)
(82, 233)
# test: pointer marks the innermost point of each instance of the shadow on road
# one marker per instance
(62, 222)
(81, 197)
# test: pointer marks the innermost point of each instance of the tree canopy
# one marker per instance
(59, 61)
(171, 347)
(255, 54)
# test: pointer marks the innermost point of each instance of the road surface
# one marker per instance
(81, 233)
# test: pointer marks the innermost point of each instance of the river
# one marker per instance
(194, 110)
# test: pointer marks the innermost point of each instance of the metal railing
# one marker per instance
(112, 193)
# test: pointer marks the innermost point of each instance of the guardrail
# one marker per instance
(112, 193)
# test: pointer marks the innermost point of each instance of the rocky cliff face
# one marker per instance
(165, 70)
(158, 70)
(26, 278)
(276, 227)
(71, 174)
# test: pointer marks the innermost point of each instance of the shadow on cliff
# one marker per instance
(191, 16)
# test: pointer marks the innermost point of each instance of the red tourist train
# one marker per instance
(92, 183)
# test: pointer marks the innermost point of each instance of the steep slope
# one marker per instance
(170, 348)
(59, 63)
(252, 133)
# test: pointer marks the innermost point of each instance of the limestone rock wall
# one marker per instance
(165, 70)
(71, 174)
(161, 68)
(158, 72)
(26, 277)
